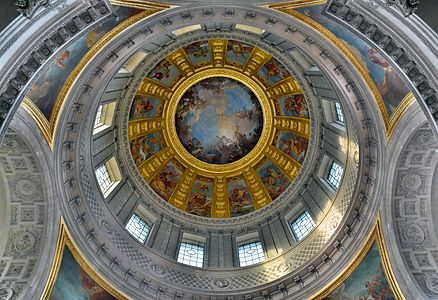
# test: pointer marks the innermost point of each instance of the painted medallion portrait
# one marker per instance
(219, 120)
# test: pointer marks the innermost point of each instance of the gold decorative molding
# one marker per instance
(285, 87)
(150, 167)
(347, 52)
(399, 112)
(150, 87)
(65, 240)
(218, 51)
(300, 126)
(375, 235)
(39, 119)
(296, 4)
(220, 204)
(288, 166)
(138, 128)
(140, 4)
(259, 194)
(180, 196)
(256, 60)
(244, 167)
(203, 168)
(182, 62)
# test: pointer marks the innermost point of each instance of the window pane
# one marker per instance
(335, 174)
(103, 178)
(250, 254)
(138, 228)
(191, 254)
(302, 225)
(97, 121)
(339, 114)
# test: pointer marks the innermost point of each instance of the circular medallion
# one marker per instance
(6, 293)
(415, 234)
(412, 182)
(218, 120)
(221, 283)
(432, 284)
(26, 187)
(24, 242)
(197, 135)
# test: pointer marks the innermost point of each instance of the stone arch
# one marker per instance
(409, 207)
(28, 223)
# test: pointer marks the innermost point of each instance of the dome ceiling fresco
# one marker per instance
(219, 128)
(200, 150)
(218, 120)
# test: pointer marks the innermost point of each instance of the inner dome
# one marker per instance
(215, 138)
(219, 120)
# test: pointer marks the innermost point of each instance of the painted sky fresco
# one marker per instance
(389, 84)
(239, 197)
(145, 107)
(272, 71)
(165, 72)
(238, 52)
(274, 181)
(219, 120)
(166, 180)
(145, 146)
(293, 145)
(198, 53)
(46, 88)
(200, 200)
(73, 283)
(293, 106)
(367, 282)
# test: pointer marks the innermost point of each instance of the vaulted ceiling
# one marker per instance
(218, 150)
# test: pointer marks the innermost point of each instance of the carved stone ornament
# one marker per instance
(284, 267)
(158, 269)
(415, 234)
(432, 284)
(24, 242)
(28, 7)
(408, 6)
(6, 293)
(221, 283)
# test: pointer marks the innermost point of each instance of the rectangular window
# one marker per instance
(191, 254)
(302, 225)
(108, 176)
(335, 174)
(251, 253)
(339, 114)
(97, 121)
(103, 178)
(104, 117)
(138, 228)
